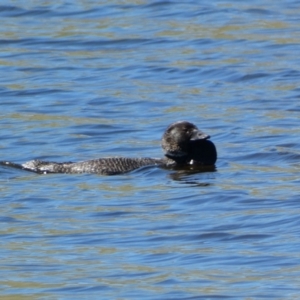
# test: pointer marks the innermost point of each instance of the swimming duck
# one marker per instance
(182, 142)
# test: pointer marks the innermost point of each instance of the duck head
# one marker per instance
(184, 143)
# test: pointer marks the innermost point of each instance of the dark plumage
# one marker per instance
(183, 144)
(104, 166)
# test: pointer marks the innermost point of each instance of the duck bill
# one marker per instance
(199, 135)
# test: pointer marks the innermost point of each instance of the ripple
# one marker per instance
(90, 80)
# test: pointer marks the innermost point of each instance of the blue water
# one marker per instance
(89, 79)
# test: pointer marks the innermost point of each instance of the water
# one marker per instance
(89, 79)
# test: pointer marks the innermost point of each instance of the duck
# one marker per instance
(182, 142)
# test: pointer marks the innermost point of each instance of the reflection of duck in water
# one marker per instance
(183, 143)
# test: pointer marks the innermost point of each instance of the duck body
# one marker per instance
(182, 142)
(103, 166)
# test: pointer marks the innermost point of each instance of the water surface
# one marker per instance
(101, 78)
